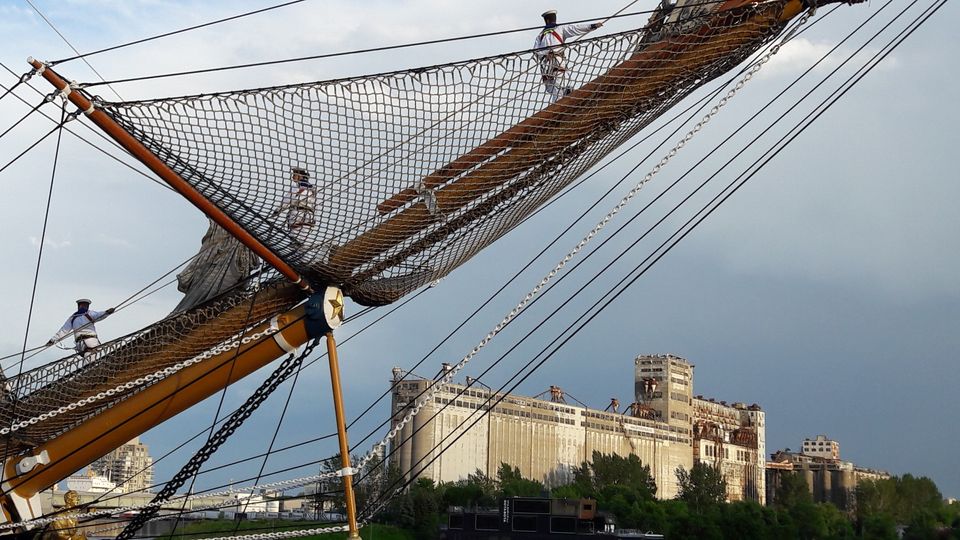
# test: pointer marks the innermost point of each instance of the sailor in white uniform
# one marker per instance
(553, 68)
(300, 206)
(82, 327)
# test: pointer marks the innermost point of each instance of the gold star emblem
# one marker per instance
(337, 304)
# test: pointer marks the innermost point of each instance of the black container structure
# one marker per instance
(535, 518)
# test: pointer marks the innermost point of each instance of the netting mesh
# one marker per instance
(168, 342)
(384, 183)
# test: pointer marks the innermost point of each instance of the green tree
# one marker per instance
(745, 519)
(793, 490)
(702, 487)
(838, 525)
(794, 499)
(613, 470)
(426, 509)
(879, 527)
(476, 490)
(513, 484)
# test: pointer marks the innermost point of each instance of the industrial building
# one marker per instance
(829, 478)
(821, 447)
(728, 437)
(547, 438)
(732, 439)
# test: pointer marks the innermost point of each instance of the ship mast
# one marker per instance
(80, 446)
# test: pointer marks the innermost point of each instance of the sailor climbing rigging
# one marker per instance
(300, 206)
(81, 325)
(553, 69)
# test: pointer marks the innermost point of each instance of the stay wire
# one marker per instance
(273, 440)
(15, 481)
(67, 41)
(364, 51)
(22, 79)
(700, 102)
(36, 274)
(175, 32)
(29, 148)
(580, 323)
(47, 99)
(223, 394)
(84, 139)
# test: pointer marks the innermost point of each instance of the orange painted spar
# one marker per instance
(167, 174)
(342, 436)
(115, 426)
(509, 152)
(532, 126)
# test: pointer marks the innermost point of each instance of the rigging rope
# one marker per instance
(87, 141)
(287, 368)
(64, 118)
(174, 32)
(378, 49)
(20, 80)
(580, 322)
(938, 8)
(455, 368)
(47, 99)
(436, 163)
(74, 49)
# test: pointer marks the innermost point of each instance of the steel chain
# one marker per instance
(279, 375)
(448, 377)
(129, 385)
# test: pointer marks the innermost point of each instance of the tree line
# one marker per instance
(625, 487)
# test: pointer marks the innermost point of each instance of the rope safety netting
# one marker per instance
(384, 183)
(46, 401)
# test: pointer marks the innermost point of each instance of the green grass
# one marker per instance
(222, 527)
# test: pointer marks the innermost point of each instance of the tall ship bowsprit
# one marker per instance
(368, 188)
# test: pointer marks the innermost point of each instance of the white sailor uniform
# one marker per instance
(553, 69)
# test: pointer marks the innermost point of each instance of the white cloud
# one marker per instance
(113, 241)
(51, 243)
(797, 55)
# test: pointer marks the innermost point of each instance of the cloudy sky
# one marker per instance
(825, 290)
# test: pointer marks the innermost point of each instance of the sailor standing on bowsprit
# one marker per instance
(81, 325)
(553, 68)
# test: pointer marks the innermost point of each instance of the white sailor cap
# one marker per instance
(550, 12)
(84, 301)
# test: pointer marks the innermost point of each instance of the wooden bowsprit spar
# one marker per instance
(593, 110)
(230, 154)
(24, 477)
